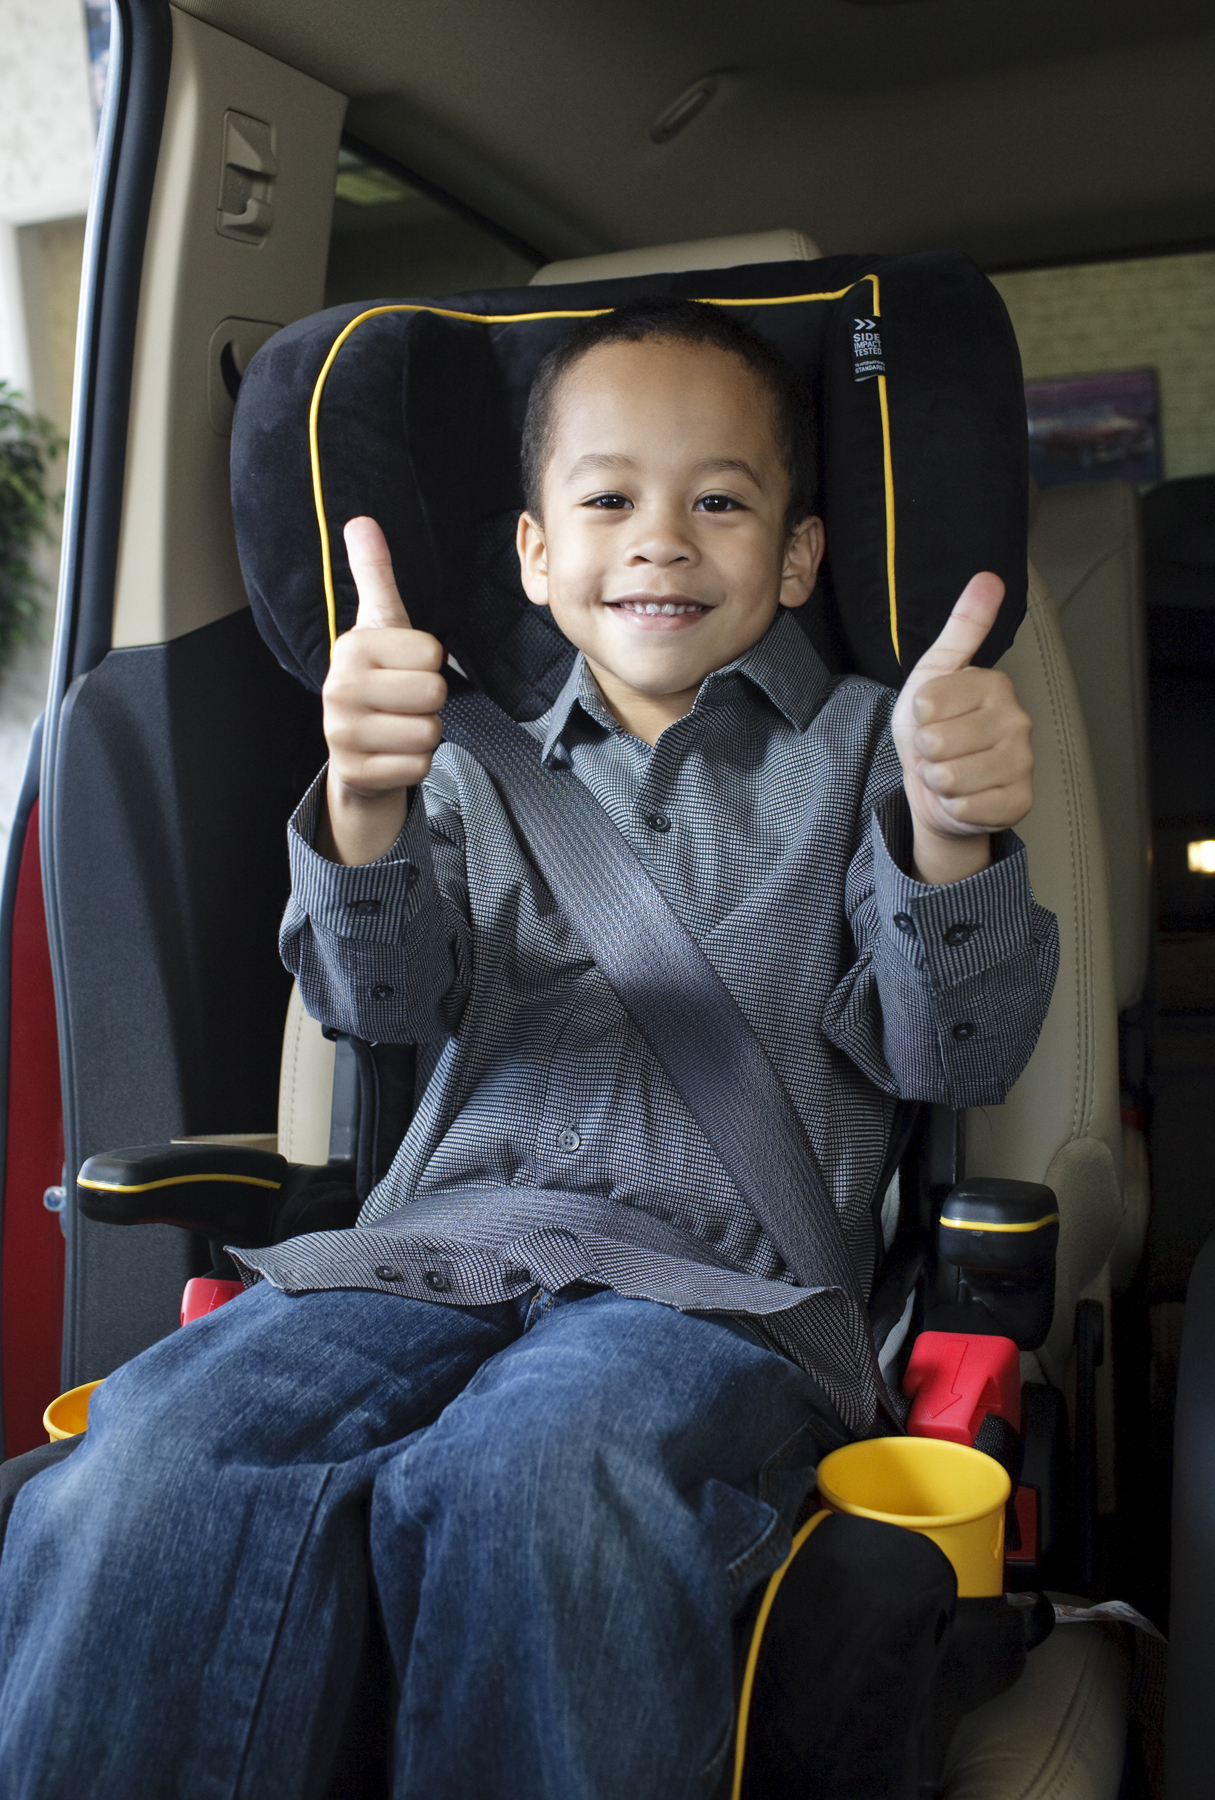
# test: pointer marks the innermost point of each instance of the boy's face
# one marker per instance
(663, 551)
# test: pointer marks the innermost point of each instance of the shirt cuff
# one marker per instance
(375, 901)
(958, 929)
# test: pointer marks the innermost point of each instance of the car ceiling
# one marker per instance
(1019, 130)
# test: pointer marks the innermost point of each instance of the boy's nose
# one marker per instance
(662, 544)
(661, 558)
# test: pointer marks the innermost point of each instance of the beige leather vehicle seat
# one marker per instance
(1060, 1733)
(305, 1087)
(1061, 1124)
(669, 259)
(1085, 540)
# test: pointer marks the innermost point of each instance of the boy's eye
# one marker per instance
(608, 502)
(718, 503)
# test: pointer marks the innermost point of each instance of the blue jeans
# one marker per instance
(556, 1506)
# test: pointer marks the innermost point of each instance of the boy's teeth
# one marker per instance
(668, 607)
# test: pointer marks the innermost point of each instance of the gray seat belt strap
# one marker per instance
(675, 997)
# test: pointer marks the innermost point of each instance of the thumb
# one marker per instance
(966, 627)
(371, 565)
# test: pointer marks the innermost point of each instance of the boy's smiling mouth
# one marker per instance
(654, 611)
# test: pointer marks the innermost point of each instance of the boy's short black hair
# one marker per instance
(687, 322)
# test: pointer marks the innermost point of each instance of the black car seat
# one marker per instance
(1064, 1732)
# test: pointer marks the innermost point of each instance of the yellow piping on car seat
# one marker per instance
(757, 1636)
(888, 477)
(376, 312)
(980, 1225)
(145, 1187)
(444, 312)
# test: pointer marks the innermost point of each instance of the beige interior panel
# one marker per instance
(177, 563)
(305, 1090)
(1085, 543)
(1061, 1123)
(665, 259)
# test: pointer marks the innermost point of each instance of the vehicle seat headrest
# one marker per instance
(412, 410)
(782, 245)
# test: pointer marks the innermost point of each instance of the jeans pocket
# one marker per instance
(766, 1548)
(783, 1482)
(788, 1475)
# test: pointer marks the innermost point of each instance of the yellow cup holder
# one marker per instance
(68, 1414)
(948, 1492)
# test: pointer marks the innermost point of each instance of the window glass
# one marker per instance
(391, 239)
(1154, 312)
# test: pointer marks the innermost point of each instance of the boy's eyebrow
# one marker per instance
(710, 465)
(727, 465)
(599, 460)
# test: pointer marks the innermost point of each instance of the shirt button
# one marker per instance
(436, 1281)
(364, 909)
(965, 1028)
(386, 1272)
(658, 821)
(568, 1138)
(904, 921)
(960, 933)
(382, 991)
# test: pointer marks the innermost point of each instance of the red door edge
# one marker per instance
(31, 1247)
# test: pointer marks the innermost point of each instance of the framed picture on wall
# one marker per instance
(1102, 427)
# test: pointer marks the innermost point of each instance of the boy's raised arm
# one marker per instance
(382, 700)
(956, 961)
(376, 927)
(964, 742)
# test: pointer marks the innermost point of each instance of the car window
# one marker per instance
(1153, 313)
(389, 238)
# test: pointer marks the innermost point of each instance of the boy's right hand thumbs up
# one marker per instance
(380, 605)
(382, 699)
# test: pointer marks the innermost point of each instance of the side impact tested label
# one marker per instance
(866, 350)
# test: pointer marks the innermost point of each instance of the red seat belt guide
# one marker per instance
(202, 1295)
(1027, 1507)
(956, 1380)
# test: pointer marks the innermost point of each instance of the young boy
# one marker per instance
(551, 1409)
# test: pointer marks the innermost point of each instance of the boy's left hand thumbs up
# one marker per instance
(961, 735)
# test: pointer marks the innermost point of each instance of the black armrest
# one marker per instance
(229, 1193)
(226, 1191)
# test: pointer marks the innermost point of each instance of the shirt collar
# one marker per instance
(581, 689)
(783, 665)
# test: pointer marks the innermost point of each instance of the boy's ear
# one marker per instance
(803, 554)
(533, 559)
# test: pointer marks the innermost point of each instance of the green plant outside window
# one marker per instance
(29, 444)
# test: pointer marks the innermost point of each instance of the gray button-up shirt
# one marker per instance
(549, 1145)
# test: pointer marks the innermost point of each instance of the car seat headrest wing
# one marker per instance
(412, 411)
